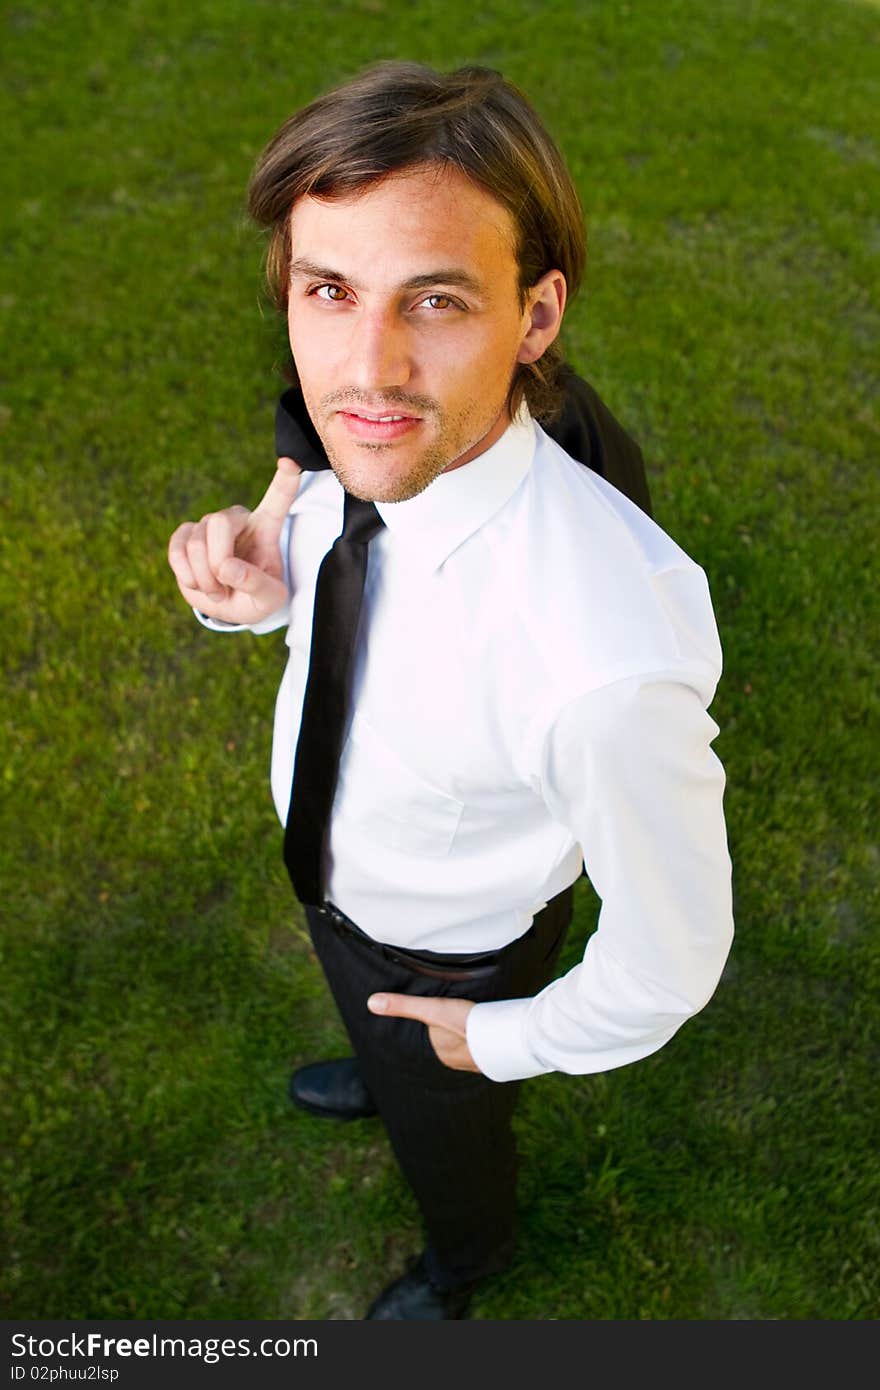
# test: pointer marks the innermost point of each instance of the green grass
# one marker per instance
(158, 984)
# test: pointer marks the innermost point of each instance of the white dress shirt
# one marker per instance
(531, 681)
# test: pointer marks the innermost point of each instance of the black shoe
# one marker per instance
(414, 1297)
(335, 1089)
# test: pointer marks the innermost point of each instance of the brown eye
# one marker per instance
(439, 301)
(332, 292)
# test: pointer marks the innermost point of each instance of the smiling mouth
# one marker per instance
(375, 428)
(376, 419)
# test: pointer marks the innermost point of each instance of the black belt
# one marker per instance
(439, 965)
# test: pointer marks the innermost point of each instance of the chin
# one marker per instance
(383, 489)
(381, 481)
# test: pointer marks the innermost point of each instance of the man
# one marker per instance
(513, 684)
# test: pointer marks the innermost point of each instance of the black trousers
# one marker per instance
(450, 1130)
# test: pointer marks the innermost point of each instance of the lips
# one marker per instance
(377, 419)
(378, 428)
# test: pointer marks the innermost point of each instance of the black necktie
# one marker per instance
(338, 594)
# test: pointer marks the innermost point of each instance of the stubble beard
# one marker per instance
(455, 437)
(428, 466)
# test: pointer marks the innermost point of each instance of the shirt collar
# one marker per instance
(438, 520)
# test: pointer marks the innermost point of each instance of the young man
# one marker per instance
(499, 667)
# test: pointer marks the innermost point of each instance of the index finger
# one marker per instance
(276, 500)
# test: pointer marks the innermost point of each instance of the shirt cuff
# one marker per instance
(280, 618)
(496, 1038)
(216, 625)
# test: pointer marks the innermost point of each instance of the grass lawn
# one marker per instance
(158, 984)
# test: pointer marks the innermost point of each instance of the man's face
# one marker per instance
(405, 326)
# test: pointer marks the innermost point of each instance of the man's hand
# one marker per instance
(446, 1020)
(228, 565)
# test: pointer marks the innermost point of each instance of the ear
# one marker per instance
(542, 317)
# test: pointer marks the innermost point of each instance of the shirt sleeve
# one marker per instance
(279, 618)
(630, 771)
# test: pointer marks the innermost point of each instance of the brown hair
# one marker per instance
(396, 116)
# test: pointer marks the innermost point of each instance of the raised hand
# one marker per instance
(228, 565)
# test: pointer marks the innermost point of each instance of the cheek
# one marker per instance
(295, 333)
(474, 360)
(483, 375)
(313, 362)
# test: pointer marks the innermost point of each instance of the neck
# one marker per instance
(488, 439)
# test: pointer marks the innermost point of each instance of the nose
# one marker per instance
(379, 352)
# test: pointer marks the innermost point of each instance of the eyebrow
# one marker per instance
(444, 275)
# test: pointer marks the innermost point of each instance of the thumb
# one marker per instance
(429, 1009)
(245, 578)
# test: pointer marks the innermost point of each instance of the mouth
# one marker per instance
(373, 426)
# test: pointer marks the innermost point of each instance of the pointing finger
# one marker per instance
(282, 490)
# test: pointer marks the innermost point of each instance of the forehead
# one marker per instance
(408, 223)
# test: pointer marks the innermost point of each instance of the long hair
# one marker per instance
(396, 116)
